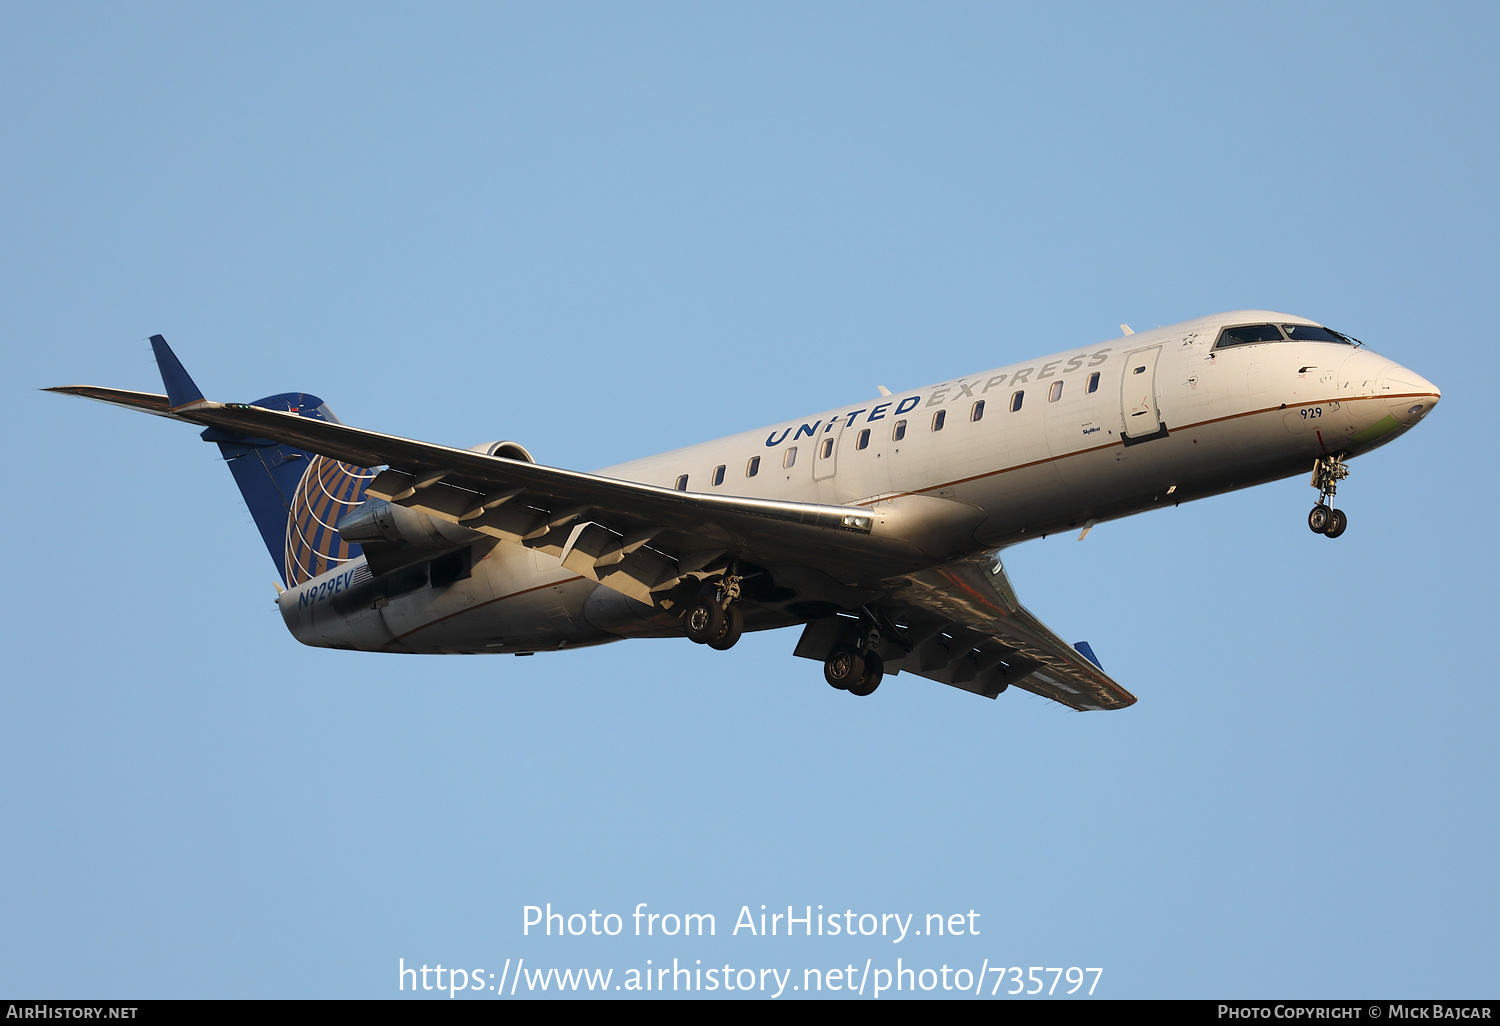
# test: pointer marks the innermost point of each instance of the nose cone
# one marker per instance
(1389, 399)
(1408, 395)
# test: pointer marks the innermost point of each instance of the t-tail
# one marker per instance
(296, 497)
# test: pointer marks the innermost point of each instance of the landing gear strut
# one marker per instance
(1328, 471)
(715, 619)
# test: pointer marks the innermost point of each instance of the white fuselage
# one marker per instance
(1139, 421)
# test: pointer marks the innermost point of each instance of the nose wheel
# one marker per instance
(1328, 471)
(1325, 520)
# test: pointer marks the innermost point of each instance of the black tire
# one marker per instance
(703, 621)
(843, 667)
(1337, 521)
(1317, 520)
(874, 670)
(734, 626)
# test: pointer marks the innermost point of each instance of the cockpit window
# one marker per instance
(1313, 333)
(1247, 334)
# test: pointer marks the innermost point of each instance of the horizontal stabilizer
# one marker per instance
(295, 496)
(146, 402)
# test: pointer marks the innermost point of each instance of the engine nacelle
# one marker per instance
(381, 521)
(509, 450)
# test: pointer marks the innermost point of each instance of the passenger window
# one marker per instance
(790, 457)
(827, 447)
(1055, 392)
(1015, 400)
(719, 474)
(1094, 382)
(977, 411)
(898, 431)
(682, 483)
(864, 439)
(753, 467)
(938, 418)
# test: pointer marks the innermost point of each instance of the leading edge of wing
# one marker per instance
(481, 473)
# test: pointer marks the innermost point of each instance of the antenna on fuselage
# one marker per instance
(1125, 330)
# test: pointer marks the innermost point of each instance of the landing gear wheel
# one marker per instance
(1317, 520)
(704, 620)
(874, 670)
(1328, 471)
(734, 626)
(844, 667)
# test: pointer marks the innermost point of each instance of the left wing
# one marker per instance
(636, 538)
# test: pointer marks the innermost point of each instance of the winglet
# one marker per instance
(180, 388)
(1085, 650)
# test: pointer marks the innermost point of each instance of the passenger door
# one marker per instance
(824, 467)
(1138, 395)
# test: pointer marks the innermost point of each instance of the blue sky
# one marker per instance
(606, 231)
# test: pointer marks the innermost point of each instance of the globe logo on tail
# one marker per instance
(327, 490)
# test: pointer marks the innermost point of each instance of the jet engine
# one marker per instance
(509, 450)
(377, 521)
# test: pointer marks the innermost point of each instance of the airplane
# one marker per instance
(876, 526)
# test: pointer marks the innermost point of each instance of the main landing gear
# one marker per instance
(850, 670)
(714, 619)
(1328, 471)
(855, 670)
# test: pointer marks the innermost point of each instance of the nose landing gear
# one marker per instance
(1328, 471)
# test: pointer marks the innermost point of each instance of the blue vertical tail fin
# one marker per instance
(296, 497)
